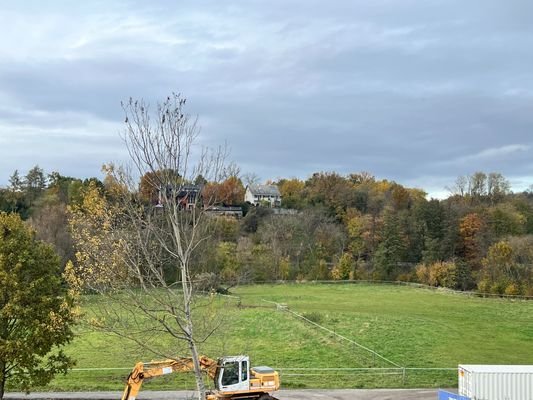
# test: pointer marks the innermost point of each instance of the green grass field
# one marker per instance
(413, 328)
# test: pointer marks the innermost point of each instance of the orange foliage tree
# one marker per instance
(471, 229)
(229, 191)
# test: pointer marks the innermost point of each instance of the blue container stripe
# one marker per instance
(443, 395)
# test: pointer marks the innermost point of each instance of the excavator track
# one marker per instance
(267, 397)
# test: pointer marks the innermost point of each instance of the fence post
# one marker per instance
(403, 376)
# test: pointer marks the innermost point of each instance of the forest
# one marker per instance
(353, 227)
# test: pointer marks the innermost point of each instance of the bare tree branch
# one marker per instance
(151, 247)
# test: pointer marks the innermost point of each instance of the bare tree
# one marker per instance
(477, 184)
(497, 186)
(250, 178)
(460, 186)
(152, 246)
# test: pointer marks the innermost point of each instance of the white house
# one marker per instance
(258, 194)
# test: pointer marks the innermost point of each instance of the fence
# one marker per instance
(350, 341)
(369, 377)
(394, 376)
(397, 283)
(291, 377)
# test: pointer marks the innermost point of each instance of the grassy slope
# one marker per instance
(412, 327)
(416, 327)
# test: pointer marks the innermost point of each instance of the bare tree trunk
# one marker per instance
(186, 286)
(198, 374)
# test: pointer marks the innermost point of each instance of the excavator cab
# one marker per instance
(233, 374)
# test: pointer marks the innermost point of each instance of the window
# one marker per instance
(230, 375)
(244, 371)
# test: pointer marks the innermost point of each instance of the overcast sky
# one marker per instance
(413, 91)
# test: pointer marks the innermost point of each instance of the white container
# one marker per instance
(496, 382)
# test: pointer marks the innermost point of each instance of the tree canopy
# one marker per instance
(386, 229)
(36, 310)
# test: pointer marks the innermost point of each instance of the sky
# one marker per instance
(418, 92)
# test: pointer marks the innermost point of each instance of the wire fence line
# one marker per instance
(324, 369)
(367, 282)
(398, 283)
(353, 342)
(362, 376)
(387, 377)
(396, 370)
(101, 369)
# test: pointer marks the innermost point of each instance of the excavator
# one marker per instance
(232, 376)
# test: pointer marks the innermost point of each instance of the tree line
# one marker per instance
(345, 228)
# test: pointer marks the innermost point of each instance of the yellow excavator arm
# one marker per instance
(142, 371)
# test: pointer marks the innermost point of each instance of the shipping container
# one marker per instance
(496, 382)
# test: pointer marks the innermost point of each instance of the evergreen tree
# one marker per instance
(391, 250)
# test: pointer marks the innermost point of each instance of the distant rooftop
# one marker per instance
(264, 190)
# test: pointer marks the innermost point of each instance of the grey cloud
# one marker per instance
(416, 91)
(393, 136)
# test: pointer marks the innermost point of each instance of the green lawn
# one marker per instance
(413, 328)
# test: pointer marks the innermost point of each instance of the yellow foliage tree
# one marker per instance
(344, 268)
(498, 270)
(100, 249)
(438, 274)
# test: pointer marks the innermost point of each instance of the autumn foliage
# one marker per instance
(379, 228)
(228, 192)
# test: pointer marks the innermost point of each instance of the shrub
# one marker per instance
(206, 282)
(438, 274)
(313, 316)
(512, 289)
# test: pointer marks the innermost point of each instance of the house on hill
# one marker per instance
(187, 196)
(259, 194)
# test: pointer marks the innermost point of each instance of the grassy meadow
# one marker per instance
(420, 330)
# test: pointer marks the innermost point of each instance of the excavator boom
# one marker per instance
(143, 371)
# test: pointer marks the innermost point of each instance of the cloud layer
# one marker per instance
(415, 91)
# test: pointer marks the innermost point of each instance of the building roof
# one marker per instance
(264, 190)
(513, 369)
